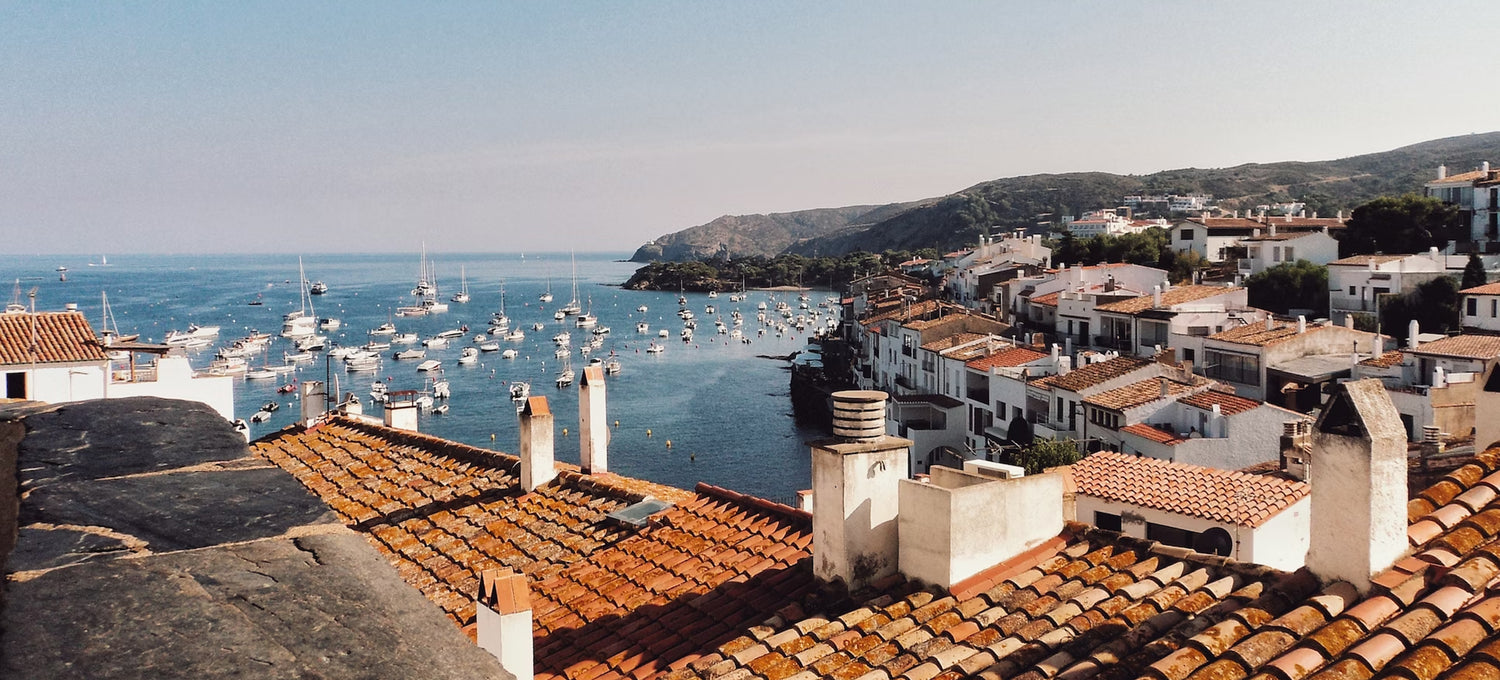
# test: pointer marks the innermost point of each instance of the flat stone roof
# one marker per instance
(151, 544)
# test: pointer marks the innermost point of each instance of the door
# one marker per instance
(15, 385)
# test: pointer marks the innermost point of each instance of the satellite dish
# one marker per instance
(1215, 541)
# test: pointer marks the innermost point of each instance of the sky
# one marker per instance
(319, 127)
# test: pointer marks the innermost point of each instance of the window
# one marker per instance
(1154, 333)
(1186, 235)
(1351, 291)
(1188, 354)
(15, 386)
(1181, 538)
(1000, 409)
(1253, 253)
(1107, 521)
(1473, 307)
(1236, 368)
(1494, 304)
(1109, 419)
(1060, 413)
(1289, 256)
(1276, 254)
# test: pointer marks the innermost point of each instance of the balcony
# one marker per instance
(980, 395)
(1121, 342)
(905, 382)
(1246, 265)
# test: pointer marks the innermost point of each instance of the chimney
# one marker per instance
(1349, 321)
(502, 620)
(1156, 297)
(1064, 364)
(1442, 172)
(1165, 385)
(1270, 323)
(401, 410)
(537, 455)
(314, 395)
(1358, 476)
(855, 476)
(1412, 330)
(1301, 324)
(959, 522)
(1485, 167)
(1296, 442)
(1054, 353)
(1216, 423)
(593, 431)
(1271, 229)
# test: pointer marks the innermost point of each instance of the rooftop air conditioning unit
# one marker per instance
(985, 468)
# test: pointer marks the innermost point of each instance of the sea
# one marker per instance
(715, 409)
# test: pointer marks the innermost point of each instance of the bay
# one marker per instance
(724, 409)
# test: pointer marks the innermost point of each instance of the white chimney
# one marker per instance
(1156, 297)
(1064, 364)
(1357, 470)
(1439, 377)
(593, 431)
(1301, 324)
(1271, 228)
(1412, 330)
(1166, 387)
(959, 522)
(401, 410)
(1054, 353)
(1349, 321)
(1219, 425)
(855, 477)
(502, 620)
(314, 401)
(1442, 172)
(1484, 167)
(538, 464)
(1270, 323)
(1341, 217)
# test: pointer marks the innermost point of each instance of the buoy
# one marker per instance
(693, 457)
(565, 432)
(492, 436)
(669, 443)
(617, 423)
(648, 432)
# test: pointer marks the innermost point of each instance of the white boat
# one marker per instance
(561, 352)
(585, 350)
(440, 388)
(103, 262)
(612, 367)
(586, 321)
(435, 343)
(312, 343)
(303, 321)
(440, 409)
(194, 337)
(386, 328)
(559, 314)
(663, 333)
(111, 331)
(330, 324)
(655, 348)
(361, 363)
(601, 331)
(379, 390)
(411, 311)
(462, 296)
(641, 309)
(423, 402)
(490, 347)
(468, 356)
(410, 354)
(547, 296)
(565, 377)
(375, 346)
(538, 326)
(342, 353)
(562, 338)
(518, 393)
(430, 365)
(480, 338)
(404, 339)
(573, 307)
(260, 374)
(317, 288)
(451, 333)
(509, 354)
(298, 358)
(643, 327)
(432, 306)
(260, 416)
(499, 320)
(713, 294)
(515, 335)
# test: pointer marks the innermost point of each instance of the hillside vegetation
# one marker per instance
(1035, 202)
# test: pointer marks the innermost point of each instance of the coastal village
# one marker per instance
(1036, 469)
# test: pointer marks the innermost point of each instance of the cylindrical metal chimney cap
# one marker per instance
(859, 415)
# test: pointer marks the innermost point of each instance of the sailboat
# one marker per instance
(304, 321)
(573, 307)
(499, 320)
(103, 262)
(463, 294)
(547, 296)
(111, 331)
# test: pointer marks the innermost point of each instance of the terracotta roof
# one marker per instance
(721, 587)
(1257, 334)
(1471, 176)
(952, 341)
(61, 337)
(1466, 346)
(1387, 360)
(1048, 300)
(1081, 379)
(1174, 296)
(1192, 490)
(905, 312)
(1228, 404)
(1366, 260)
(1486, 289)
(1138, 393)
(1153, 433)
(1280, 236)
(1013, 356)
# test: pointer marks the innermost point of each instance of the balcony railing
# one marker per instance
(1113, 342)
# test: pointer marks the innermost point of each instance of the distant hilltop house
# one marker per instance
(1169, 203)
(1108, 223)
(55, 357)
(1215, 237)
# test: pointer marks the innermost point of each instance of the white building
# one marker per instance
(1054, 404)
(1477, 196)
(1249, 518)
(1147, 324)
(1481, 307)
(1270, 249)
(56, 358)
(1212, 429)
(1286, 361)
(1435, 383)
(1215, 238)
(1356, 283)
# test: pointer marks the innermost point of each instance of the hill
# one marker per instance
(1034, 202)
(763, 235)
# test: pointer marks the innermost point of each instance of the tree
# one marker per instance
(1473, 273)
(1048, 453)
(1183, 265)
(1433, 305)
(1019, 432)
(1299, 284)
(1399, 224)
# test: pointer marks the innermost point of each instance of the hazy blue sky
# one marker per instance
(371, 126)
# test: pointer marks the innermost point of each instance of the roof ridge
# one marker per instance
(756, 502)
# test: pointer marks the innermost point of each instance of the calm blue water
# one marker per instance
(725, 411)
